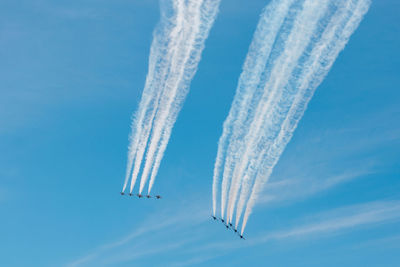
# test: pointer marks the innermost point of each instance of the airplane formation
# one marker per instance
(142, 196)
(228, 226)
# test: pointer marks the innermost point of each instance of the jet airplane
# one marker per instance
(139, 195)
(148, 196)
(214, 217)
(122, 193)
(158, 196)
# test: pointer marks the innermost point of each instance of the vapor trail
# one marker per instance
(175, 75)
(209, 10)
(274, 91)
(246, 95)
(161, 52)
(303, 35)
(170, 55)
(176, 50)
(334, 22)
(304, 25)
(199, 17)
(324, 54)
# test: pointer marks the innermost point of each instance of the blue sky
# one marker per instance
(72, 73)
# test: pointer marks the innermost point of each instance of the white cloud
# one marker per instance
(341, 219)
(303, 187)
(127, 248)
(323, 224)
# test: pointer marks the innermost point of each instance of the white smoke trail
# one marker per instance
(323, 55)
(304, 25)
(208, 14)
(172, 53)
(336, 22)
(246, 94)
(199, 17)
(187, 35)
(162, 50)
(237, 142)
(271, 100)
(176, 52)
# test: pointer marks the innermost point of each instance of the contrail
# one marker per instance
(176, 73)
(301, 37)
(175, 37)
(175, 54)
(304, 26)
(199, 17)
(246, 94)
(324, 54)
(308, 40)
(209, 10)
(162, 49)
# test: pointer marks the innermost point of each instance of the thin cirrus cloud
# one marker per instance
(289, 189)
(323, 224)
(341, 219)
(194, 251)
(315, 171)
(306, 178)
(150, 232)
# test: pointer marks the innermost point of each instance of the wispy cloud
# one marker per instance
(317, 171)
(303, 187)
(127, 248)
(129, 254)
(82, 260)
(137, 252)
(341, 219)
(323, 224)
(196, 247)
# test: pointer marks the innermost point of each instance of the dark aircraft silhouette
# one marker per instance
(235, 230)
(148, 196)
(158, 196)
(122, 193)
(222, 220)
(227, 226)
(130, 194)
(242, 237)
(214, 217)
(139, 195)
(230, 225)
